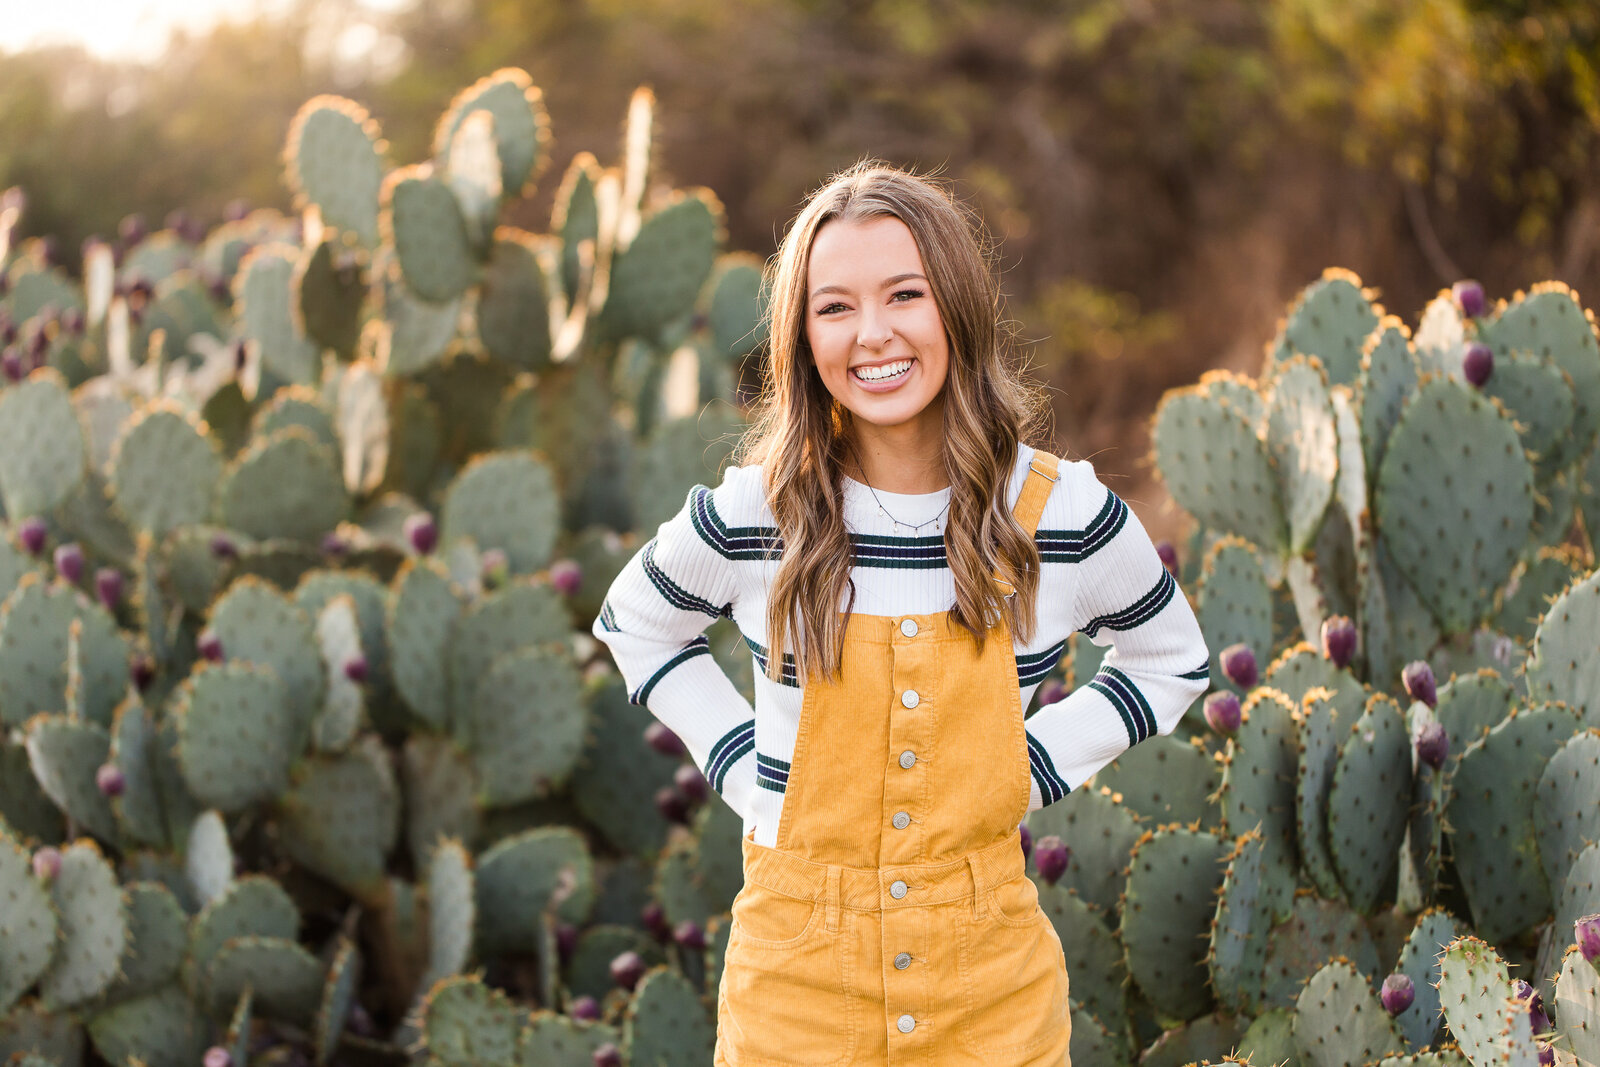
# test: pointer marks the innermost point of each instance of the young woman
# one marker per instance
(905, 570)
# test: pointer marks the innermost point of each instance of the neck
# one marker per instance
(908, 458)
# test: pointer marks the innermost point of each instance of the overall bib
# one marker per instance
(894, 922)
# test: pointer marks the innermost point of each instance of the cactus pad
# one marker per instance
(327, 294)
(1300, 432)
(285, 980)
(1100, 833)
(1454, 501)
(334, 161)
(287, 485)
(1235, 603)
(1331, 320)
(1258, 788)
(27, 927)
(1315, 932)
(1492, 812)
(505, 500)
(1577, 895)
(1165, 779)
(341, 816)
(521, 127)
(1321, 733)
(158, 938)
(561, 1041)
(1388, 378)
(1474, 984)
(1339, 1021)
(159, 1029)
(1218, 469)
(43, 457)
(1563, 665)
(452, 911)
(415, 333)
(467, 1024)
(422, 614)
(441, 789)
(1173, 879)
(1239, 929)
(658, 276)
(513, 306)
(1534, 585)
(588, 972)
(523, 613)
(64, 754)
(258, 624)
(1568, 802)
(1420, 960)
(666, 1024)
(526, 873)
(208, 859)
(1470, 705)
(163, 470)
(1093, 955)
(1368, 803)
(1548, 323)
(237, 734)
(24, 808)
(423, 221)
(93, 925)
(370, 598)
(264, 289)
(1578, 1006)
(1536, 393)
(618, 772)
(526, 726)
(339, 635)
(338, 995)
(738, 306)
(472, 172)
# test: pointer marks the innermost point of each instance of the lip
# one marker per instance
(888, 386)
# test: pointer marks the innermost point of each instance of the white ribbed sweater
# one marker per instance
(1099, 574)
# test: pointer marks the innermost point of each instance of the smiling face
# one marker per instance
(874, 329)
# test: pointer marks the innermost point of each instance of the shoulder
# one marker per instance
(740, 498)
(733, 518)
(1076, 498)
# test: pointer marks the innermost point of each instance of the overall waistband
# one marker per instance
(967, 878)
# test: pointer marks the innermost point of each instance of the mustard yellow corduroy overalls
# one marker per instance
(894, 922)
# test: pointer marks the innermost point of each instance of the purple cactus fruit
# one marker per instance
(660, 737)
(1547, 1054)
(11, 364)
(1239, 664)
(627, 969)
(108, 587)
(1523, 991)
(217, 1056)
(1223, 713)
(219, 289)
(1477, 363)
(1397, 993)
(358, 1022)
(1027, 841)
(222, 546)
(132, 230)
(47, 863)
(607, 1055)
(110, 780)
(585, 1007)
(141, 671)
(1053, 691)
(689, 935)
(655, 921)
(1169, 556)
(69, 562)
(1586, 932)
(1339, 639)
(421, 532)
(494, 567)
(1468, 296)
(1417, 677)
(32, 532)
(209, 645)
(672, 805)
(1051, 856)
(691, 783)
(355, 669)
(334, 544)
(566, 576)
(566, 941)
(72, 321)
(1432, 744)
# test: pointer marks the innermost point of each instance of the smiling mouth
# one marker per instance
(885, 373)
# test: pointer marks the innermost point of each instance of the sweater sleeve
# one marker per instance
(653, 619)
(1157, 664)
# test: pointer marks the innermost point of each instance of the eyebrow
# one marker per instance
(896, 280)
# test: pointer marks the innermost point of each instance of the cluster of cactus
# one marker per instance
(306, 753)
(1336, 860)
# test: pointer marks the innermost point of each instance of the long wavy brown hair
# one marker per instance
(800, 435)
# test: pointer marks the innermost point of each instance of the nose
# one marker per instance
(874, 331)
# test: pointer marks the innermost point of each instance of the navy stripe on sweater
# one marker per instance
(1140, 611)
(700, 646)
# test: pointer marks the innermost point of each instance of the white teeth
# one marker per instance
(888, 370)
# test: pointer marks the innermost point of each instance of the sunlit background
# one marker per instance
(1161, 176)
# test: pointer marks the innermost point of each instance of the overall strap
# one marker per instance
(1042, 477)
